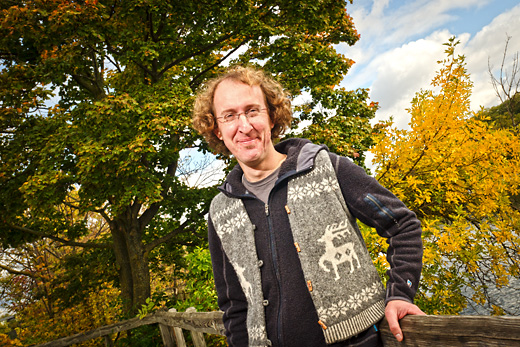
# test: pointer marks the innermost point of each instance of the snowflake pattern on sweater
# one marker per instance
(353, 302)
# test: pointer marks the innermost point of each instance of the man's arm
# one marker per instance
(377, 207)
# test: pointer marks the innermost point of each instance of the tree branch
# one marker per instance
(150, 246)
(90, 86)
(200, 51)
(507, 86)
(17, 272)
(192, 83)
(148, 215)
(60, 240)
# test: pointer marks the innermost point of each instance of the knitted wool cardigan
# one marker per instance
(290, 315)
(330, 249)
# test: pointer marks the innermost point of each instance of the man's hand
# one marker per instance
(397, 309)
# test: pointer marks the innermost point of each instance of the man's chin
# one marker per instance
(248, 157)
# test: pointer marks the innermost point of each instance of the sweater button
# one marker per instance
(265, 302)
(269, 343)
(260, 263)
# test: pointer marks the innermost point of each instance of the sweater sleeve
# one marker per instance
(231, 298)
(377, 207)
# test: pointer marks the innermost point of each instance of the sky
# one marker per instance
(402, 40)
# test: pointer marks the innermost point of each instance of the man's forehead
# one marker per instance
(229, 90)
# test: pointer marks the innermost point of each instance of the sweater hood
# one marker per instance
(301, 154)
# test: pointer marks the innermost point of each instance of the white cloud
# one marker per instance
(402, 72)
(488, 46)
(399, 73)
(395, 66)
(391, 22)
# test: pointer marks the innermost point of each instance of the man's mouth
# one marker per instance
(247, 141)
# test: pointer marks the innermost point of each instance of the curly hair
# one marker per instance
(277, 101)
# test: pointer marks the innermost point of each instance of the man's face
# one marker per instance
(249, 140)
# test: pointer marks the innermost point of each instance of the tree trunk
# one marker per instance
(132, 263)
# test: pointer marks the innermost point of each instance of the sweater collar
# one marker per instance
(300, 157)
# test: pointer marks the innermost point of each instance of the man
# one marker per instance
(290, 265)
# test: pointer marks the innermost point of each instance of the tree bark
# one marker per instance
(132, 263)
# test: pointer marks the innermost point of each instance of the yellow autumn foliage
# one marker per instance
(5, 341)
(39, 295)
(458, 174)
(99, 309)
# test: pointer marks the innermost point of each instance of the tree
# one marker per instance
(96, 95)
(507, 89)
(42, 292)
(457, 173)
(505, 115)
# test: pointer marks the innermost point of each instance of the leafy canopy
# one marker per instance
(457, 173)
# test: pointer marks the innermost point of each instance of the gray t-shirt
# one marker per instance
(262, 188)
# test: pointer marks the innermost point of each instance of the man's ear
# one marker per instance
(217, 133)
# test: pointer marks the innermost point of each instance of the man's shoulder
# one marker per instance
(222, 204)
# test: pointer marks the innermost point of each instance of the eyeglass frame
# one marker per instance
(236, 115)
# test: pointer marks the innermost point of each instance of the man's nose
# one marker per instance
(244, 125)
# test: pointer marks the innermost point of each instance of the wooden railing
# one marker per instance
(455, 331)
(170, 324)
(418, 331)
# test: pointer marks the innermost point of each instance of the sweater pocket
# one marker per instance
(380, 209)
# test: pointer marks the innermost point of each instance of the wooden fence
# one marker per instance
(418, 331)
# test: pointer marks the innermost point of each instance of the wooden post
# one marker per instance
(177, 332)
(198, 337)
(108, 341)
(167, 333)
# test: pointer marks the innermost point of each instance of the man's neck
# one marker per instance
(259, 172)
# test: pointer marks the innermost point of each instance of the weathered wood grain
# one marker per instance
(456, 331)
(99, 332)
(203, 322)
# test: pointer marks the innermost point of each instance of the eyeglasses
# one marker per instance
(249, 114)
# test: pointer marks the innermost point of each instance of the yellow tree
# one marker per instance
(457, 173)
(56, 290)
(37, 286)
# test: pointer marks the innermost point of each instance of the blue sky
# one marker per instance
(401, 42)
